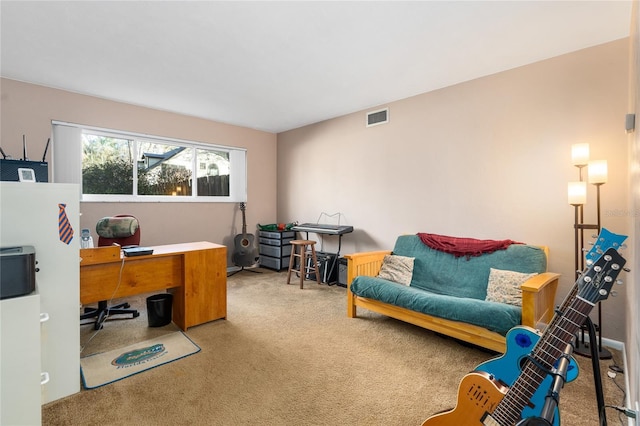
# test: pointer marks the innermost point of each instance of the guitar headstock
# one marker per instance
(605, 239)
(595, 283)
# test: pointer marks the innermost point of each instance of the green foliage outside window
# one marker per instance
(162, 169)
(114, 176)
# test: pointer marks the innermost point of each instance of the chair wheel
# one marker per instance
(136, 314)
(126, 306)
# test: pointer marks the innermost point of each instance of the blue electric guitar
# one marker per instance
(521, 340)
(484, 400)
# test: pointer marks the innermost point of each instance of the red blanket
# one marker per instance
(463, 246)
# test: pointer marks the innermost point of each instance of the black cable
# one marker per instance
(616, 369)
(627, 412)
(108, 303)
(613, 406)
(615, 366)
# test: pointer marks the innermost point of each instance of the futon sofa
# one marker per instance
(471, 290)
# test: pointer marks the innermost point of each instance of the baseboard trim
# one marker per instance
(615, 344)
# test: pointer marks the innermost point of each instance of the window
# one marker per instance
(119, 166)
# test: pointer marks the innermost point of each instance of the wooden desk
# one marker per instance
(196, 271)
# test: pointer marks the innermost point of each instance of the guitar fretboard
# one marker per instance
(544, 356)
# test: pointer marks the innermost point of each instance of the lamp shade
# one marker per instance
(598, 172)
(577, 192)
(580, 154)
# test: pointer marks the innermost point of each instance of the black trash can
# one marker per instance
(159, 309)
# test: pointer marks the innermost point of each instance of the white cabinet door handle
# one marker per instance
(44, 317)
(44, 378)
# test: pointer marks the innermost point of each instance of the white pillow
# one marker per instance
(396, 268)
(504, 286)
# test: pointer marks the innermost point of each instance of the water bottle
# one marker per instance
(86, 240)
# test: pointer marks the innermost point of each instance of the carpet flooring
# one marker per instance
(286, 356)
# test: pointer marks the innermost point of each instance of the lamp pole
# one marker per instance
(597, 175)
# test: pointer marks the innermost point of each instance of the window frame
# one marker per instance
(237, 160)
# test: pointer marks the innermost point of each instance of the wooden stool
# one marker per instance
(299, 250)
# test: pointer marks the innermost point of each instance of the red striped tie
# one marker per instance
(64, 227)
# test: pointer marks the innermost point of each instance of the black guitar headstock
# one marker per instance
(595, 283)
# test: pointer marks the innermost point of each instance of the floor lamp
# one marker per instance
(597, 175)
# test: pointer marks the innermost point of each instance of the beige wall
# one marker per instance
(28, 109)
(632, 279)
(489, 158)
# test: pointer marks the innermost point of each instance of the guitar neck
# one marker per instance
(244, 223)
(548, 350)
(244, 218)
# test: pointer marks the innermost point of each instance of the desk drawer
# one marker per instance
(277, 235)
(275, 263)
(274, 242)
(146, 274)
(274, 251)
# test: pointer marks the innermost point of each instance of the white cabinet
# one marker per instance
(20, 361)
(29, 216)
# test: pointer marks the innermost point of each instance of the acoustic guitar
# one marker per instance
(484, 400)
(521, 340)
(245, 252)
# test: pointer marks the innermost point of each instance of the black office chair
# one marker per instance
(123, 230)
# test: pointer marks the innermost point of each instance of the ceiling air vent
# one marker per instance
(380, 116)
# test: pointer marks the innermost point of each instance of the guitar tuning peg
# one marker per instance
(585, 250)
(623, 246)
(594, 236)
(591, 243)
(619, 282)
(613, 293)
(626, 269)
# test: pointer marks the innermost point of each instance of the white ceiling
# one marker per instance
(276, 66)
